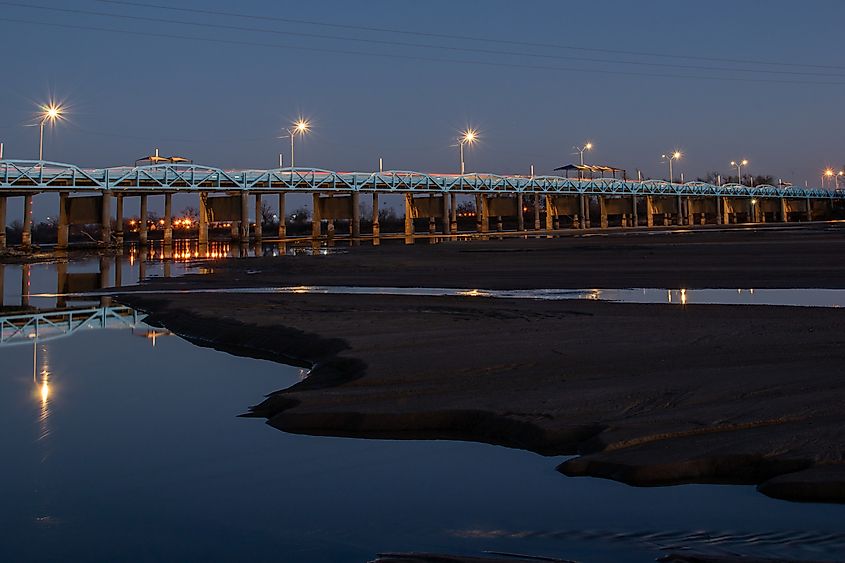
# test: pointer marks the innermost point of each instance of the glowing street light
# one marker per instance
(468, 137)
(739, 165)
(588, 146)
(299, 127)
(676, 155)
(51, 113)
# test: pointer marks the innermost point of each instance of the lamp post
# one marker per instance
(676, 155)
(49, 113)
(739, 165)
(828, 173)
(588, 146)
(468, 137)
(299, 127)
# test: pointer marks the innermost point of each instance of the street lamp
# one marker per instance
(588, 146)
(468, 137)
(828, 173)
(676, 155)
(51, 113)
(739, 166)
(299, 127)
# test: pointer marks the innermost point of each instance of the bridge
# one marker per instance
(565, 202)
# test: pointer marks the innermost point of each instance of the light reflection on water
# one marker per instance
(117, 447)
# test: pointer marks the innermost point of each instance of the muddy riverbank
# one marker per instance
(643, 394)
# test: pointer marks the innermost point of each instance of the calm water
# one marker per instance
(120, 446)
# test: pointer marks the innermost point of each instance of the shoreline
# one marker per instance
(642, 394)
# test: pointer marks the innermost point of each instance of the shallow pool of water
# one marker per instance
(125, 444)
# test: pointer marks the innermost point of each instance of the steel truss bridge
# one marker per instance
(25, 327)
(18, 177)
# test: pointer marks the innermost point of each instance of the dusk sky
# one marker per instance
(223, 103)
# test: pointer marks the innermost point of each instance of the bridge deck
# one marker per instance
(27, 176)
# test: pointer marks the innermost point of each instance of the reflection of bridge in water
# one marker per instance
(556, 202)
(44, 325)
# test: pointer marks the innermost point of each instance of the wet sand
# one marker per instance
(643, 394)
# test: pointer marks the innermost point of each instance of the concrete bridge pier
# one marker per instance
(409, 215)
(259, 228)
(537, 225)
(453, 211)
(142, 224)
(3, 208)
(585, 211)
(316, 219)
(168, 219)
(202, 228)
(26, 235)
(784, 211)
(809, 210)
(520, 217)
(63, 226)
(118, 219)
(376, 225)
(485, 214)
(635, 218)
(105, 219)
(283, 229)
(355, 220)
(602, 212)
(447, 216)
(649, 211)
(243, 225)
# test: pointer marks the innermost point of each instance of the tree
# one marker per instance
(465, 208)
(268, 217)
(191, 213)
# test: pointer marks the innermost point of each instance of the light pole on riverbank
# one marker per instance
(51, 113)
(739, 165)
(676, 155)
(467, 137)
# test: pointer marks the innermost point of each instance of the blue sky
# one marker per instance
(224, 103)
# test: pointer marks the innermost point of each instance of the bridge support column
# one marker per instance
(26, 235)
(520, 217)
(168, 219)
(447, 217)
(453, 210)
(784, 213)
(478, 206)
(202, 229)
(485, 214)
(432, 220)
(809, 210)
(355, 220)
(602, 212)
(316, 219)
(550, 225)
(3, 207)
(118, 219)
(635, 219)
(62, 233)
(376, 225)
(537, 225)
(259, 228)
(409, 214)
(142, 224)
(105, 219)
(283, 216)
(585, 211)
(649, 210)
(243, 227)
